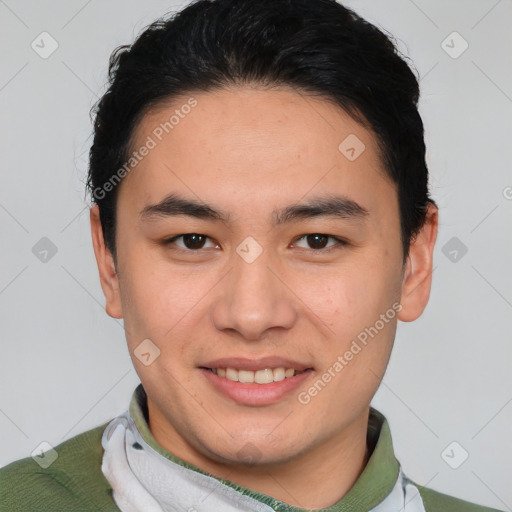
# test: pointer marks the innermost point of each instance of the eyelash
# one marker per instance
(339, 242)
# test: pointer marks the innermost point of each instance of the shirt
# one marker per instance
(74, 481)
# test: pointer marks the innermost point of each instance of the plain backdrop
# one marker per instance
(64, 366)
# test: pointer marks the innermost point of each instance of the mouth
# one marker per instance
(259, 382)
(264, 376)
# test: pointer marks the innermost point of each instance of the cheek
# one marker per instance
(354, 299)
(154, 299)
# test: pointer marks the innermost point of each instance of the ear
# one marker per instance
(417, 278)
(106, 267)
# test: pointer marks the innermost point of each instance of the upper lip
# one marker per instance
(242, 363)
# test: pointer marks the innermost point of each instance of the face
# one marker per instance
(288, 271)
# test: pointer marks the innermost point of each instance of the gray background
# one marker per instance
(64, 366)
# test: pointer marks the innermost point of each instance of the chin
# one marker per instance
(258, 451)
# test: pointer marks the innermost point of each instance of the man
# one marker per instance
(261, 223)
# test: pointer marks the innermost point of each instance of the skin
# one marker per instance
(249, 151)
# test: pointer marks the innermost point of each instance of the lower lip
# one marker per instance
(255, 394)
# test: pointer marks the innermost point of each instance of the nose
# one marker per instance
(254, 299)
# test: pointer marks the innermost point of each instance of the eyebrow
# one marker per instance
(331, 206)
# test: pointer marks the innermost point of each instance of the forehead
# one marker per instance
(250, 145)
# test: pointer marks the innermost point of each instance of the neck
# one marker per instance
(329, 470)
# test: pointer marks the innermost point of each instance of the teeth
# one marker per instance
(245, 376)
(279, 374)
(265, 376)
(232, 374)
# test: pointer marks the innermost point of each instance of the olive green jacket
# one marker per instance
(75, 482)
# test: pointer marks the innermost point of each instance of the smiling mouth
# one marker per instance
(265, 376)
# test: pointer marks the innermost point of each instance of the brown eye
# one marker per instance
(194, 241)
(319, 241)
(189, 241)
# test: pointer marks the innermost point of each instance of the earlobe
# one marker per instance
(417, 278)
(106, 267)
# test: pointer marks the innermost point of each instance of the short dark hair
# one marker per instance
(317, 47)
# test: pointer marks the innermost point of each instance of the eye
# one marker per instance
(318, 241)
(191, 241)
(194, 242)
